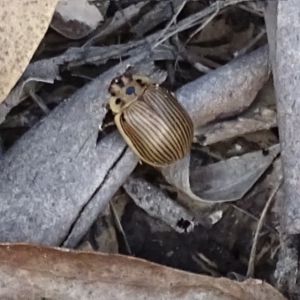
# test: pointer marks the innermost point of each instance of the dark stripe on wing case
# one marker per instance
(169, 139)
(147, 134)
(165, 116)
(175, 107)
(150, 127)
(136, 140)
(178, 116)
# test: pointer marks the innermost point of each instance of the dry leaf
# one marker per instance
(221, 182)
(23, 25)
(231, 179)
(36, 272)
(75, 19)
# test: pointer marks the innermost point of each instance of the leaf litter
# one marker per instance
(201, 214)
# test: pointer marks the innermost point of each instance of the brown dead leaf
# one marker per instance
(33, 272)
(23, 25)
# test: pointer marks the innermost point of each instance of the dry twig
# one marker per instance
(252, 259)
(119, 227)
(160, 40)
(250, 45)
(37, 99)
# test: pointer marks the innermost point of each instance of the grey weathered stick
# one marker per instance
(223, 131)
(120, 19)
(282, 22)
(50, 174)
(109, 186)
(161, 12)
(286, 65)
(227, 90)
(158, 205)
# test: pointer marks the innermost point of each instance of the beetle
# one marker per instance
(150, 119)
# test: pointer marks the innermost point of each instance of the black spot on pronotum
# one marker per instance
(118, 101)
(183, 224)
(130, 90)
(140, 82)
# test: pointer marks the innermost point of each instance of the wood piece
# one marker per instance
(111, 183)
(35, 272)
(286, 63)
(119, 20)
(282, 23)
(158, 205)
(228, 90)
(161, 12)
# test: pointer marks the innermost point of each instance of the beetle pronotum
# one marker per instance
(150, 119)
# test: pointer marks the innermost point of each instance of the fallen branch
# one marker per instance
(35, 272)
(282, 22)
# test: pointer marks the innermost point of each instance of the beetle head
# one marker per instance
(126, 89)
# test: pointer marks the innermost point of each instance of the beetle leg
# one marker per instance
(103, 126)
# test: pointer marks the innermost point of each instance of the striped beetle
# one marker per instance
(150, 119)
